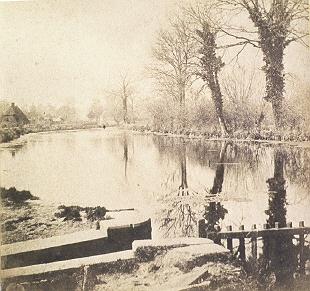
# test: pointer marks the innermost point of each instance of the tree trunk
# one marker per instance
(272, 34)
(125, 110)
(273, 58)
(182, 95)
(217, 98)
(211, 65)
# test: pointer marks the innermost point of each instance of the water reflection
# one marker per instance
(102, 167)
(125, 156)
(180, 219)
(280, 255)
(214, 211)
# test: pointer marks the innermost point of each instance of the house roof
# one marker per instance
(15, 112)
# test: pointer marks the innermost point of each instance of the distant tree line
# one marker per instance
(50, 113)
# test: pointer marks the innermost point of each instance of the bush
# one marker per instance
(69, 213)
(95, 213)
(14, 196)
(74, 213)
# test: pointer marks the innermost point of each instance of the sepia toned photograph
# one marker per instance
(154, 145)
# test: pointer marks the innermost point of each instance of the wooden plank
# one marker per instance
(66, 265)
(262, 232)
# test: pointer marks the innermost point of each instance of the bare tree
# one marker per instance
(278, 23)
(95, 110)
(239, 88)
(174, 54)
(123, 100)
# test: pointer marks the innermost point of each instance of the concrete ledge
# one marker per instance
(40, 244)
(147, 249)
(76, 245)
(66, 265)
(186, 258)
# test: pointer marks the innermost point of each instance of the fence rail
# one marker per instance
(254, 234)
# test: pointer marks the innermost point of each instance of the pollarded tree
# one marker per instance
(278, 23)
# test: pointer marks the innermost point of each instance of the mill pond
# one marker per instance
(173, 180)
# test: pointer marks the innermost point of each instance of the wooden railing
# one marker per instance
(254, 234)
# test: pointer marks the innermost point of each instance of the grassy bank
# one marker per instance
(211, 133)
(9, 134)
(24, 217)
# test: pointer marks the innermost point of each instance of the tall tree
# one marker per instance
(174, 54)
(95, 111)
(123, 97)
(278, 23)
(210, 64)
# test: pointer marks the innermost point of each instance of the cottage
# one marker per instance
(13, 117)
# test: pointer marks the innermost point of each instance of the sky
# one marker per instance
(73, 51)
(70, 52)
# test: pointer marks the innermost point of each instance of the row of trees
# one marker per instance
(42, 113)
(188, 55)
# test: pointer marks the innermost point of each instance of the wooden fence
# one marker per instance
(254, 234)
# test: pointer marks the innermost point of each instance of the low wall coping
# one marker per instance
(66, 265)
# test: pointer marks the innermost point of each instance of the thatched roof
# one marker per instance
(14, 115)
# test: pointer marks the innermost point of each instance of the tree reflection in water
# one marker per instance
(125, 155)
(214, 211)
(181, 218)
(279, 253)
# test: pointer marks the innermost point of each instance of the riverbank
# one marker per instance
(30, 218)
(9, 134)
(33, 220)
(292, 138)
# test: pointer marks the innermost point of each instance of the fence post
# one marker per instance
(230, 240)
(242, 245)
(254, 243)
(202, 228)
(217, 238)
(302, 260)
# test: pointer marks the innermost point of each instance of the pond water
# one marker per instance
(176, 181)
